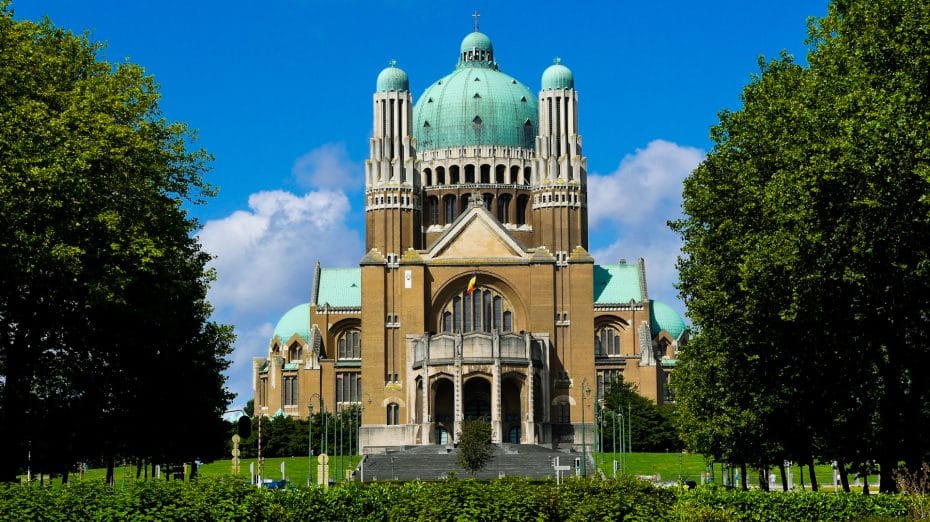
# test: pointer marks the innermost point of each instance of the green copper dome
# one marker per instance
(393, 79)
(663, 317)
(476, 41)
(295, 321)
(557, 76)
(476, 104)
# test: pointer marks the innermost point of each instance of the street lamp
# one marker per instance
(585, 391)
(613, 443)
(310, 437)
(600, 428)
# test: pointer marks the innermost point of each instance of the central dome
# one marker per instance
(476, 104)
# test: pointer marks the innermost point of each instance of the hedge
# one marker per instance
(508, 499)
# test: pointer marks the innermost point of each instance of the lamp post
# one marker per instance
(613, 444)
(600, 428)
(622, 437)
(310, 437)
(585, 390)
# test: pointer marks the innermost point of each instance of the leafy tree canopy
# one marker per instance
(104, 323)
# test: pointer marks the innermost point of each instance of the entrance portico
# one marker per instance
(478, 375)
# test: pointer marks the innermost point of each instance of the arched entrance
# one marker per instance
(511, 401)
(477, 399)
(443, 410)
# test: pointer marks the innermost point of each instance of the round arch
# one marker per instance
(459, 283)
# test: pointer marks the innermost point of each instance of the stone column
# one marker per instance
(459, 407)
(496, 427)
(530, 415)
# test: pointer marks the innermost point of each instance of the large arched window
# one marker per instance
(522, 202)
(350, 344)
(485, 310)
(607, 342)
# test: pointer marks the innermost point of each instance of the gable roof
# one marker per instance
(618, 284)
(339, 287)
(476, 234)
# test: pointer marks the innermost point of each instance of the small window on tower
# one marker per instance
(477, 120)
(476, 95)
(426, 124)
(477, 79)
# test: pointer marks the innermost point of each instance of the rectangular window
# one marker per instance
(487, 312)
(348, 387)
(290, 391)
(477, 310)
(456, 314)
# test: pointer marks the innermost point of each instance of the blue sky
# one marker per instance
(280, 92)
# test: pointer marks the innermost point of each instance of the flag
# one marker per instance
(471, 284)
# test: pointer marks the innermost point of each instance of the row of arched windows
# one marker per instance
(456, 175)
(482, 311)
(450, 207)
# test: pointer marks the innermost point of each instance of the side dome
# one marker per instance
(392, 78)
(475, 105)
(295, 321)
(557, 76)
(663, 317)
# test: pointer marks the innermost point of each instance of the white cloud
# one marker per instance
(264, 260)
(629, 208)
(647, 183)
(329, 167)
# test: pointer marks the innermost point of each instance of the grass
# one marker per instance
(666, 466)
(295, 470)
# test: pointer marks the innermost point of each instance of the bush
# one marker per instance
(228, 498)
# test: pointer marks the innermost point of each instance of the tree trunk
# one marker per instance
(743, 480)
(64, 476)
(193, 474)
(763, 479)
(153, 469)
(887, 483)
(844, 475)
(784, 477)
(813, 472)
(139, 465)
(865, 484)
(801, 475)
(111, 481)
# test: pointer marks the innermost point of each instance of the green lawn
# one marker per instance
(669, 465)
(666, 465)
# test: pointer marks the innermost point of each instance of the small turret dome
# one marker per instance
(393, 78)
(663, 317)
(295, 321)
(477, 42)
(557, 76)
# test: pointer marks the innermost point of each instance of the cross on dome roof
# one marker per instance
(476, 14)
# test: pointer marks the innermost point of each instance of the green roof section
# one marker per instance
(617, 284)
(393, 78)
(663, 317)
(295, 321)
(557, 76)
(339, 287)
(476, 104)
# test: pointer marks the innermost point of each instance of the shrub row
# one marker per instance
(508, 499)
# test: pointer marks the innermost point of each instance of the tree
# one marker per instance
(652, 425)
(806, 254)
(106, 347)
(474, 445)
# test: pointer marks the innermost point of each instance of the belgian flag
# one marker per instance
(471, 284)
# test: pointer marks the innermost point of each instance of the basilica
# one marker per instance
(477, 295)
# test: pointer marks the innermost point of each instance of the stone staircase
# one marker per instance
(436, 462)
